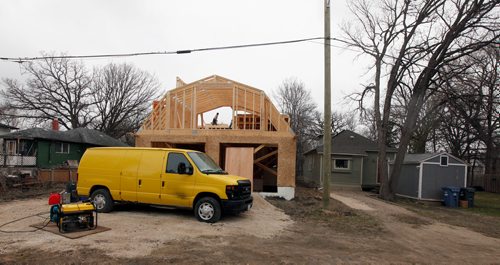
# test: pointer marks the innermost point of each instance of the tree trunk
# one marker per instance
(416, 102)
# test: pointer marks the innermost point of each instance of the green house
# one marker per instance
(48, 148)
(354, 162)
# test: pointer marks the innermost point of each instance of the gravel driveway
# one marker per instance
(136, 230)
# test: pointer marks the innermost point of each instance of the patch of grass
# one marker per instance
(307, 206)
(412, 220)
(483, 218)
(486, 203)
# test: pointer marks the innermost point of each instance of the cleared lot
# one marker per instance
(296, 232)
(137, 230)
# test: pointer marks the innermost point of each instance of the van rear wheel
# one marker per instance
(102, 201)
(207, 210)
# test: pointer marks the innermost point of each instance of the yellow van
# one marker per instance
(161, 176)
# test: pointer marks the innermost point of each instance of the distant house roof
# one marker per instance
(419, 158)
(349, 142)
(79, 135)
(5, 126)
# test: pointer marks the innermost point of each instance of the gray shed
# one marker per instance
(423, 175)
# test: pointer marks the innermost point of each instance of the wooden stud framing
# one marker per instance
(275, 152)
(183, 108)
(267, 169)
(262, 109)
(253, 111)
(257, 149)
(245, 110)
(167, 97)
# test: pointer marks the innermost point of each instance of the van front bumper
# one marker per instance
(237, 206)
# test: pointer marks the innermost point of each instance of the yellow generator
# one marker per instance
(74, 216)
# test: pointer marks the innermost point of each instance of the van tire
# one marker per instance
(102, 200)
(208, 210)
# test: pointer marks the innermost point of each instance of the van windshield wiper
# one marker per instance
(214, 171)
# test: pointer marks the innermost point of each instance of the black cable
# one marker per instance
(21, 60)
(24, 59)
(26, 217)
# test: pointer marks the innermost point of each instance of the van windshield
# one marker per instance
(205, 164)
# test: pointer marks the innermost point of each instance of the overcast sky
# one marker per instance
(118, 26)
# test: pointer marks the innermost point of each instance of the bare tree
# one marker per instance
(8, 115)
(122, 95)
(113, 99)
(294, 100)
(370, 128)
(385, 32)
(340, 122)
(473, 94)
(428, 118)
(455, 133)
(463, 28)
(423, 37)
(55, 88)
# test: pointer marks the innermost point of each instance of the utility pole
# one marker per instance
(327, 131)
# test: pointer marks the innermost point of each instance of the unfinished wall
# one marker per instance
(214, 138)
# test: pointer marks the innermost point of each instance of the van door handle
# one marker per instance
(140, 182)
(163, 184)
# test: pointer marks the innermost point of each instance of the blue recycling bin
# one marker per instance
(450, 196)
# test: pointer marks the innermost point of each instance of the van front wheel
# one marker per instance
(102, 201)
(207, 210)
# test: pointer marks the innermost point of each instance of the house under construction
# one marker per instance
(256, 143)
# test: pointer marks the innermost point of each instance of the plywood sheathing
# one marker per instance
(174, 120)
(239, 162)
(214, 138)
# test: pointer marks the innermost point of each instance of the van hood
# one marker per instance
(229, 179)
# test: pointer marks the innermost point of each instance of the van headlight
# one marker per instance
(231, 191)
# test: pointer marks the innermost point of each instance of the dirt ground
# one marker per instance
(279, 232)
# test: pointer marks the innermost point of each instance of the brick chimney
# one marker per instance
(55, 124)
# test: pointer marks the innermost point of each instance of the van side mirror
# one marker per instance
(183, 169)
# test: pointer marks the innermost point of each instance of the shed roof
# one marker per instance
(349, 142)
(79, 135)
(419, 158)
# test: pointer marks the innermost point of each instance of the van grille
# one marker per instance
(244, 188)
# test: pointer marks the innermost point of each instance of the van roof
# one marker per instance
(142, 148)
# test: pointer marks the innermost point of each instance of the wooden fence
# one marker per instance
(56, 175)
(491, 182)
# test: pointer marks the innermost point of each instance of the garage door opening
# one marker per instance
(257, 162)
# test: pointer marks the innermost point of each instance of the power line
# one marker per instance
(97, 56)
(357, 49)
(24, 59)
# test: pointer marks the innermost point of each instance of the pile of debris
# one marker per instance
(18, 179)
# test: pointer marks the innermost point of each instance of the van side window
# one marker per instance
(177, 163)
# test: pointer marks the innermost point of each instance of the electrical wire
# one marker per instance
(359, 50)
(97, 56)
(26, 217)
(24, 59)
